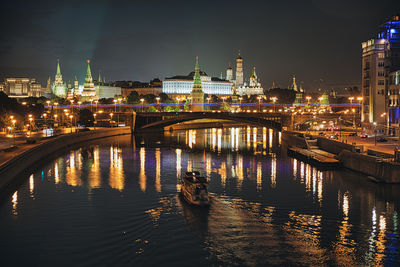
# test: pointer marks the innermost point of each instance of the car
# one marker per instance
(364, 135)
(353, 134)
(333, 137)
(381, 139)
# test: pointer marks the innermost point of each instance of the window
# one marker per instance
(381, 55)
(381, 74)
(381, 64)
(381, 82)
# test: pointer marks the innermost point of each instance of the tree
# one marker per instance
(133, 98)
(86, 117)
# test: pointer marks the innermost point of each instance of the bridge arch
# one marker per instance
(273, 121)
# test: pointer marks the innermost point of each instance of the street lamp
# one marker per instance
(158, 102)
(96, 104)
(274, 99)
(142, 100)
(71, 116)
(308, 99)
(259, 103)
(119, 106)
(91, 105)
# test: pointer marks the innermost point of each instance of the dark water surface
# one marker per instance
(114, 202)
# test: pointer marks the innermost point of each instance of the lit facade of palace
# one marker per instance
(183, 85)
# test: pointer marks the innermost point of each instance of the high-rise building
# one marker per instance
(239, 71)
(197, 93)
(380, 57)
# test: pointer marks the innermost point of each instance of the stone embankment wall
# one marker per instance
(332, 146)
(16, 165)
(294, 139)
(385, 171)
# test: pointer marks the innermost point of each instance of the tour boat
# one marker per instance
(195, 189)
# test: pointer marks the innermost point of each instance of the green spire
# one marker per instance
(197, 78)
(88, 77)
(58, 67)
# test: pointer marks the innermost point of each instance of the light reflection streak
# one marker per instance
(142, 173)
(259, 176)
(158, 170)
(248, 136)
(56, 174)
(219, 140)
(380, 242)
(270, 131)
(178, 168)
(302, 167)
(73, 176)
(344, 247)
(255, 139)
(94, 175)
(31, 185)
(214, 138)
(237, 139)
(273, 171)
(319, 187)
(308, 178)
(264, 136)
(294, 169)
(14, 201)
(222, 172)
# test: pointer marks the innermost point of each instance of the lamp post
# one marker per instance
(142, 101)
(308, 99)
(374, 132)
(274, 99)
(91, 105)
(45, 116)
(351, 98)
(119, 104)
(13, 122)
(158, 103)
(71, 116)
(111, 115)
(96, 102)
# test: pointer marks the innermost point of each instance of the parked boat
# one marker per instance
(195, 189)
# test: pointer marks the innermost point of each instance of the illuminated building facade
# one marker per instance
(380, 57)
(253, 88)
(394, 103)
(183, 85)
(21, 87)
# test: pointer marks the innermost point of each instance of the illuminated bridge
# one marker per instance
(148, 121)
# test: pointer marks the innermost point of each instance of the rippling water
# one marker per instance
(114, 202)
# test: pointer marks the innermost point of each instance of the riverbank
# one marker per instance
(377, 166)
(17, 159)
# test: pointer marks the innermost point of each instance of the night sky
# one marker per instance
(141, 40)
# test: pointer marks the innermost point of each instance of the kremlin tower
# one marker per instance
(59, 88)
(88, 91)
(239, 71)
(197, 93)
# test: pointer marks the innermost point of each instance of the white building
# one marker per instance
(182, 85)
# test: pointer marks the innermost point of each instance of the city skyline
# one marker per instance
(280, 39)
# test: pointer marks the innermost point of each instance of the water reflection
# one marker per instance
(266, 209)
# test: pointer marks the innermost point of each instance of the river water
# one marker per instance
(115, 202)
